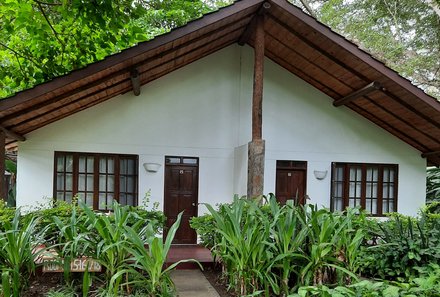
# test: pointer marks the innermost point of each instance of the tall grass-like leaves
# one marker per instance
(325, 233)
(289, 233)
(73, 239)
(17, 258)
(147, 264)
(244, 247)
(109, 241)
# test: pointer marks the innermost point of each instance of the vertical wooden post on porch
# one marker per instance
(3, 194)
(256, 148)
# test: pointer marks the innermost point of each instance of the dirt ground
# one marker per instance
(42, 283)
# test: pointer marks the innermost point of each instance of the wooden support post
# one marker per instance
(3, 194)
(257, 98)
(256, 148)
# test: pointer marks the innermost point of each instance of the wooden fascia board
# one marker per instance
(358, 53)
(127, 54)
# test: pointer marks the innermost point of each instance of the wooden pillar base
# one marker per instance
(256, 154)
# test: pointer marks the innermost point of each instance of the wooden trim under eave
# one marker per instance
(371, 87)
(12, 134)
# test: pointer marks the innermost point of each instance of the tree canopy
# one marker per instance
(43, 39)
(40, 40)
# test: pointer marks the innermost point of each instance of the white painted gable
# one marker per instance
(204, 110)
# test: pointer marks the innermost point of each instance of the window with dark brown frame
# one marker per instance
(97, 179)
(371, 186)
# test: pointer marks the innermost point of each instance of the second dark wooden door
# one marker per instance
(291, 180)
(181, 191)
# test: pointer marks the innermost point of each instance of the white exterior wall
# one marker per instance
(204, 110)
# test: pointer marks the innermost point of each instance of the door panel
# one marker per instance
(291, 180)
(181, 195)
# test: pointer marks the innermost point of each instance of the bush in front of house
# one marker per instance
(301, 250)
(124, 242)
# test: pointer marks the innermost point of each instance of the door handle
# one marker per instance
(193, 204)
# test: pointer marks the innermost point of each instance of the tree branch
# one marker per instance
(18, 54)
(50, 4)
(49, 23)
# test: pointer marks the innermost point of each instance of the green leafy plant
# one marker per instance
(17, 255)
(146, 266)
(244, 247)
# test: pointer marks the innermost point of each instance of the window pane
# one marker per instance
(69, 182)
(60, 181)
(171, 160)
(130, 200)
(122, 186)
(110, 165)
(391, 174)
(110, 183)
(82, 164)
(89, 199)
(374, 206)
(122, 199)
(338, 204)
(130, 167)
(109, 201)
(130, 184)
(386, 174)
(69, 163)
(123, 166)
(60, 163)
(102, 183)
(60, 195)
(81, 182)
(68, 197)
(80, 196)
(89, 182)
(102, 201)
(103, 165)
(189, 161)
(90, 164)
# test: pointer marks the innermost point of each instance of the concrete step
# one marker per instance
(192, 283)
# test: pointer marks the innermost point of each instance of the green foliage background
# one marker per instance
(40, 40)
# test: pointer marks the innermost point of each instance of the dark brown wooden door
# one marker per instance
(291, 180)
(181, 191)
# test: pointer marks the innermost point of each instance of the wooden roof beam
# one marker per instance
(431, 154)
(135, 82)
(11, 134)
(244, 38)
(359, 93)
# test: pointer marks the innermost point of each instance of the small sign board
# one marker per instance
(76, 265)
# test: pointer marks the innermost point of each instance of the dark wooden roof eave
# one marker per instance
(118, 58)
(417, 124)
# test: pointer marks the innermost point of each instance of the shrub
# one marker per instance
(402, 244)
(17, 256)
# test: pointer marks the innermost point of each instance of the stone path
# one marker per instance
(192, 283)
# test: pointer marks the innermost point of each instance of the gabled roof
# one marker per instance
(293, 39)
